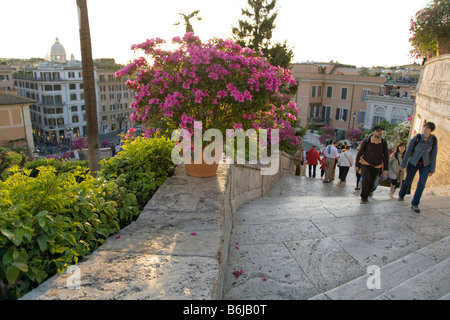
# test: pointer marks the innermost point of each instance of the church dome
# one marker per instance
(58, 53)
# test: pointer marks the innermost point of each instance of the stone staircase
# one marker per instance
(309, 240)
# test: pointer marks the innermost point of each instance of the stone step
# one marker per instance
(432, 284)
(424, 265)
(446, 297)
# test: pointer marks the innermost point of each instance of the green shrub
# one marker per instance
(48, 222)
(141, 167)
(60, 166)
(9, 158)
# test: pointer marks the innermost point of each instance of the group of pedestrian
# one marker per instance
(373, 162)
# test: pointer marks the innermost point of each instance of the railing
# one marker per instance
(319, 121)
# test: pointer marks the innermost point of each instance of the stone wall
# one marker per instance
(433, 105)
(244, 183)
(177, 248)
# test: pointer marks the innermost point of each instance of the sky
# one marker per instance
(356, 32)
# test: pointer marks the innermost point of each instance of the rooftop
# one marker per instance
(7, 99)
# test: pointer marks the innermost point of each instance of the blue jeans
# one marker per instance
(411, 171)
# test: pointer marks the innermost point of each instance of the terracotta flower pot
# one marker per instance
(202, 170)
(443, 46)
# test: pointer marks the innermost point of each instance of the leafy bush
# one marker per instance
(54, 212)
(59, 166)
(8, 159)
(48, 222)
(142, 166)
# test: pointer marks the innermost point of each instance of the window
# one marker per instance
(379, 116)
(364, 93)
(49, 100)
(361, 117)
(4, 77)
(316, 91)
(60, 121)
(326, 112)
(341, 114)
(314, 112)
(72, 86)
(58, 100)
(344, 92)
(71, 75)
(75, 119)
(74, 108)
(73, 97)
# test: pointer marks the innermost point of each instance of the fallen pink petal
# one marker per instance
(237, 274)
(118, 237)
(193, 234)
(264, 279)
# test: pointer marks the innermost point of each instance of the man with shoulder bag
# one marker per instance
(372, 157)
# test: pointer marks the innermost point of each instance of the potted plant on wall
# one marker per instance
(218, 84)
(430, 30)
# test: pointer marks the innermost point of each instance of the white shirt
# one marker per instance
(331, 152)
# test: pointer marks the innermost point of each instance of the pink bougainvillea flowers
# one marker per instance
(218, 83)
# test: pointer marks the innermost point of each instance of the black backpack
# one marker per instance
(417, 140)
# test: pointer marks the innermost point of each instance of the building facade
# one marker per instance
(113, 101)
(59, 115)
(15, 122)
(6, 79)
(332, 95)
(392, 109)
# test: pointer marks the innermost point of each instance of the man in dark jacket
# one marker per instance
(372, 156)
(419, 156)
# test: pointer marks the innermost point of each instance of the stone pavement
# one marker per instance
(309, 240)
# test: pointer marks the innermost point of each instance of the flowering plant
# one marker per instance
(218, 83)
(326, 134)
(79, 143)
(354, 134)
(428, 25)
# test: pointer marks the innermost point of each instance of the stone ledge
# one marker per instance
(177, 248)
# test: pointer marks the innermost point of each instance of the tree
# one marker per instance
(186, 19)
(89, 89)
(255, 32)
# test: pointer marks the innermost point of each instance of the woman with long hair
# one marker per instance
(395, 174)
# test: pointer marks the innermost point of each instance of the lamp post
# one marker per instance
(354, 116)
(36, 152)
